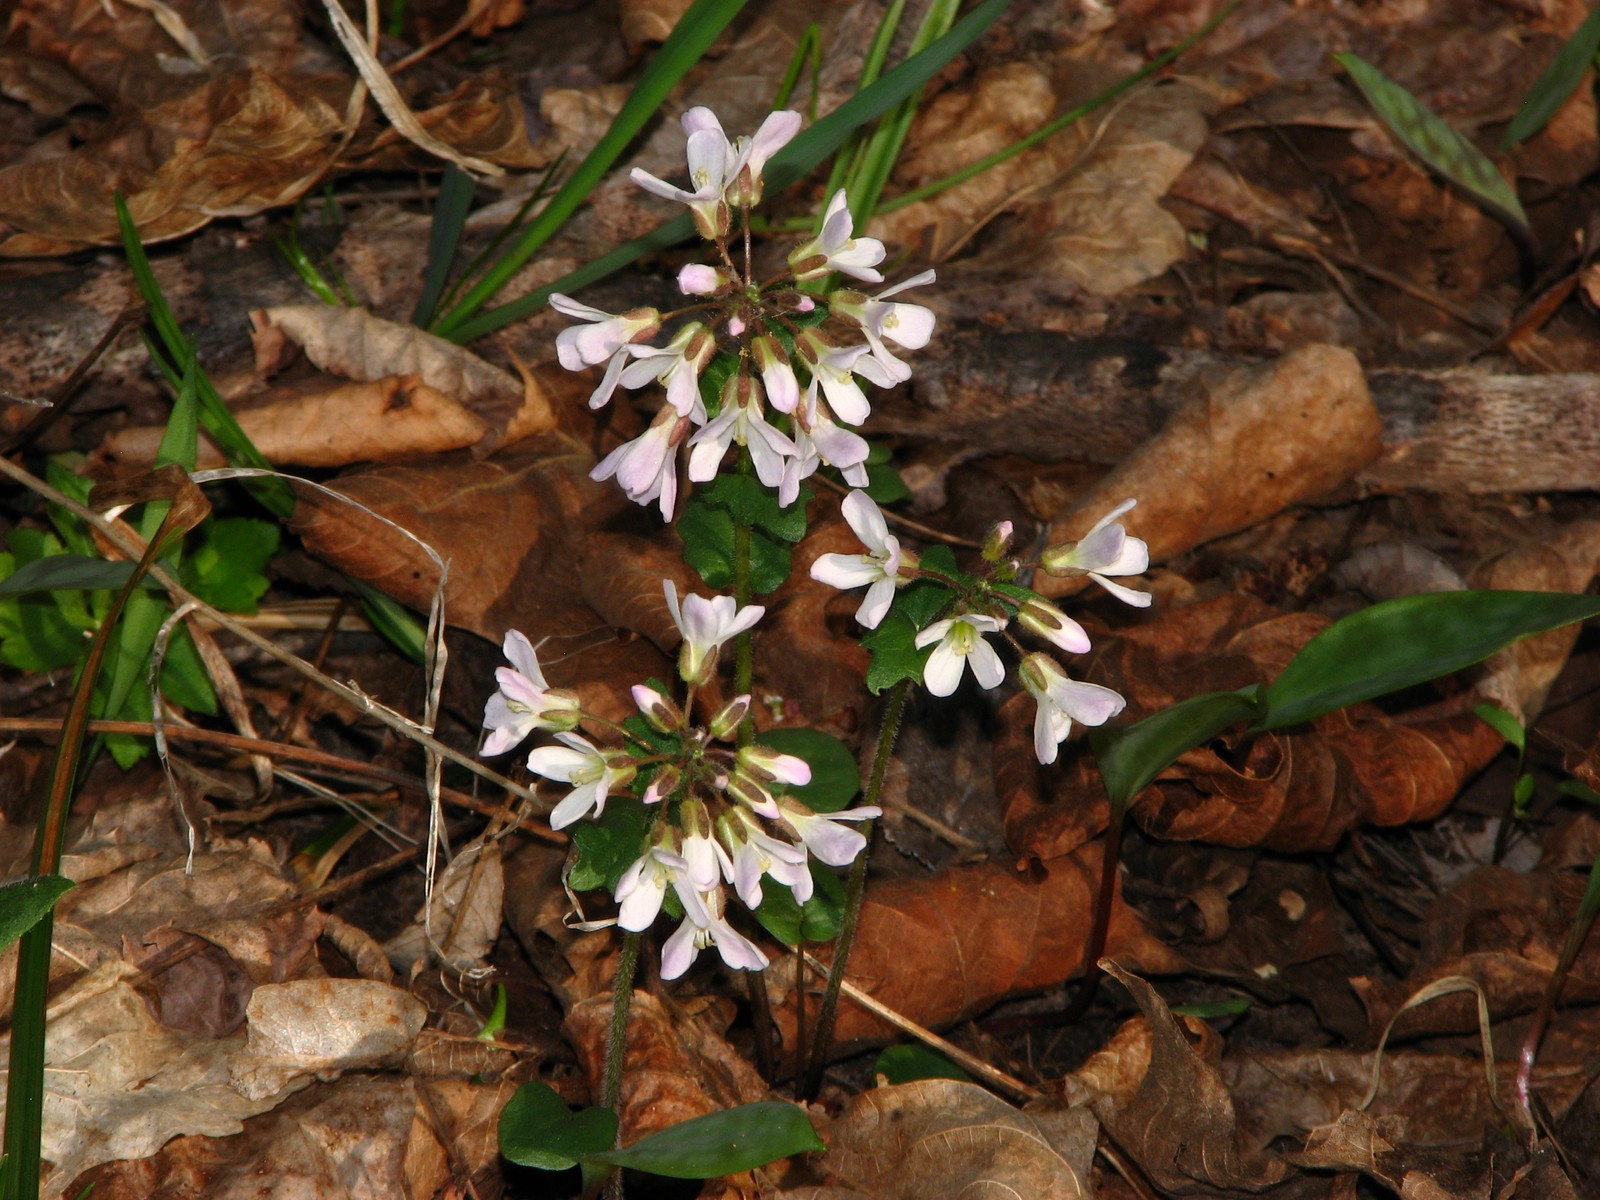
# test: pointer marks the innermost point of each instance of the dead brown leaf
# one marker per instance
(947, 946)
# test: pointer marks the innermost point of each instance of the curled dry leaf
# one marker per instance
(941, 1137)
(316, 1026)
(1245, 447)
(1167, 1106)
(678, 1065)
(939, 948)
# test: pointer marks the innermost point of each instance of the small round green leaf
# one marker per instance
(537, 1129)
(835, 779)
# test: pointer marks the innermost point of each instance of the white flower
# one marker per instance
(707, 861)
(835, 368)
(879, 567)
(704, 925)
(835, 250)
(579, 762)
(1105, 550)
(828, 841)
(837, 446)
(677, 366)
(705, 625)
(646, 467)
(1062, 701)
(606, 335)
(644, 885)
(524, 702)
(718, 167)
(740, 421)
(767, 765)
(752, 853)
(1048, 621)
(960, 642)
(907, 325)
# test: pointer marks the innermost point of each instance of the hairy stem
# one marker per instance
(744, 657)
(617, 1044)
(1112, 853)
(827, 1010)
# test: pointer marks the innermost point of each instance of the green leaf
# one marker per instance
(184, 679)
(817, 920)
(225, 567)
(1503, 723)
(609, 845)
(450, 211)
(884, 484)
(707, 533)
(23, 904)
(1131, 757)
(721, 1143)
(895, 655)
(1401, 643)
(1560, 79)
(911, 1062)
(1578, 791)
(61, 571)
(1435, 142)
(747, 499)
(835, 778)
(1522, 794)
(537, 1129)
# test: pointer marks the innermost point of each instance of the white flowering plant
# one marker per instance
(763, 378)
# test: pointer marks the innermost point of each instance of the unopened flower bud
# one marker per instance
(997, 543)
(564, 713)
(663, 715)
(752, 795)
(1049, 622)
(767, 765)
(726, 721)
(664, 785)
(697, 279)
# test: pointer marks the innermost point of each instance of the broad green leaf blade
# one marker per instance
(1435, 142)
(68, 571)
(721, 1143)
(793, 161)
(1404, 642)
(1131, 757)
(910, 1062)
(835, 778)
(690, 38)
(608, 845)
(23, 904)
(537, 1129)
(1560, 79)
(817, 920)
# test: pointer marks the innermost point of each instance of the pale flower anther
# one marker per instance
(1049, 622)
(524, 702)
(879, 568)
(822, 834)
(960, 643)
(1061, 702)
(835, 250)
(594, 773)
(605, 336)
(1105, 550)
(705, 625)
(646, 468)
(705, 925)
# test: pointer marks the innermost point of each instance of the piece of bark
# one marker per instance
(1247, 446)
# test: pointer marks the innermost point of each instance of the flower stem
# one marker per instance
(1090, 984)
(616, 1044)
(822, 1035)
(743, 646)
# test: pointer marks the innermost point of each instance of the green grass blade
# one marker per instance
(684, 47)
(793, 161)
(444, 235)
(851, 149)
(1070, 117)
(510, 230)
(1560, 79)
(889, 138)
(1401, 643)
(808, 51)
(1435, 142)
(219, 422)
(1131, 757)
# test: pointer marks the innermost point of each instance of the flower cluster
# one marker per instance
(721, 812)
(982, 607)
(795, 397)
